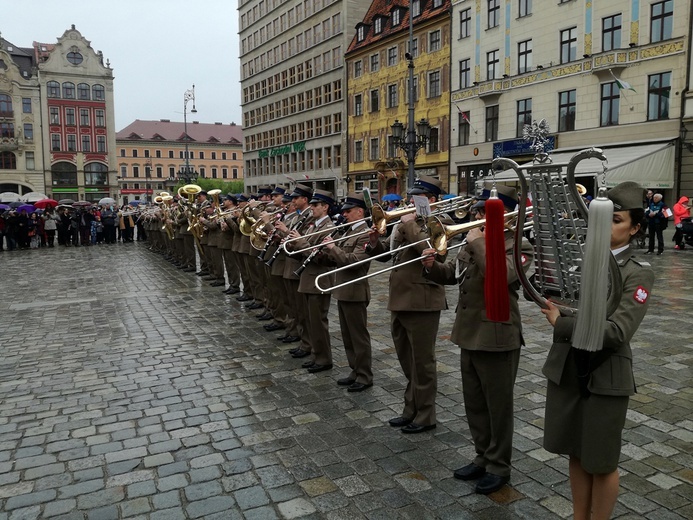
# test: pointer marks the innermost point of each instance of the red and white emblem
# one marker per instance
(523, 258)
(641, 295)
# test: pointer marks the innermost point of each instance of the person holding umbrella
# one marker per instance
(50, 225)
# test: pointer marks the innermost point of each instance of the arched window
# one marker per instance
(53, 88)
(5, 105)
(64, 174)
(83, 91)
(8, 161)
(95, 174)
(68, 90)
(98, 93)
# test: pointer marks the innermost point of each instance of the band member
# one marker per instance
(226, 225)
(259, 275)
(201, 200)
(490, 351)
(243, 252)
(353, 299)
(585, 421)
(275, 283)
(415, 304)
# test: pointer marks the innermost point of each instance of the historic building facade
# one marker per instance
(57, 119)
(152, 153)
(292, 79)
(378, 93)
(606, 74)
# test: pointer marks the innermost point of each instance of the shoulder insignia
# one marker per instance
(523, 258)
(641, 294)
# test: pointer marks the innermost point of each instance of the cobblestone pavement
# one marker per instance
(130, 389)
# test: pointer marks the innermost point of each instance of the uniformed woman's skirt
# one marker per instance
(588, 428)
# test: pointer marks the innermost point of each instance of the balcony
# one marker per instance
(9, 144)
(6, 114)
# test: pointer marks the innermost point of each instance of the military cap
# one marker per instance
(322, 196)
(231, 197)
(242, 197)
(264, 190)
(426, 184)
(301, 190)
(286, 198)
(353, 200)
(279, 190)
(505, 193)
(625, 196)
(203, 192)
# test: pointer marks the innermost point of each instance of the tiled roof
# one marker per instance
(384, 8)
(174, 131)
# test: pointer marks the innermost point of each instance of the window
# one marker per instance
(416, 7)
(358, 68)
(171, 154)
(6, 106)
(378, 25)
(610, 97)
(524, 115)
(391, 148)
(70, 116)
(68, 90)
(233, 156)
(568, 45)
(434, 84)
(83, 91)
(134, 153)
(74, 57)
(392, 56)
(463, 128)
(84, 116)
(71, 143)
(524, 57)
(96, 174)
(8, 161)
(658, 92)
(493, 13)
(30, 161)
(358, 105)
(55, 142)
(7, 130)
(492, 123)
(466, 22)
(434, 41)
(100, 117)
(611, 32)
(224, 173)
(525, 8)
(214, 173)
(159, 172)
(437, 3)
(26, 105)
(202, 154)
(53, 88)
(492, 64)
(375, 100)
(234, 173)
(375, 62)
(101, 143)
(214, 156)
(98, 93)
(396, 18)
(64, 174)
(465, 74)
(374, 149)
(136, 171)
(28, 131)
(54, 115)
(360, 33)
(433, 144)
(662, 19)
(566, 110)
(392, 96)
(414, 51)
(358, 151)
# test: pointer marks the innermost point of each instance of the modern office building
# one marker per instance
(151, 155)
(611, 74)
(293, 88)
(57, 119)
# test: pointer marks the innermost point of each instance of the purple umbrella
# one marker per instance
(26, 207)
(4, 207)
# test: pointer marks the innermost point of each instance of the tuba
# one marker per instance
(560, 227)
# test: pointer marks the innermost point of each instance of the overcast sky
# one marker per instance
(157, 48)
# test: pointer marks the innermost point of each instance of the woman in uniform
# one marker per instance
(585, 417)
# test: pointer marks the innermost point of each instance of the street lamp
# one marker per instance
(148, 179)
(417, 134)
(187, 174)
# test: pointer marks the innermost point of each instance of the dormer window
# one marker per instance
(360, 33)
(416, 7)
(378, 25)
(437, 3)
(396, 17)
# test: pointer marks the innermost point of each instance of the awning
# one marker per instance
(650, 164)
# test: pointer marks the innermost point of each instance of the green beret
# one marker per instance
(625, 196)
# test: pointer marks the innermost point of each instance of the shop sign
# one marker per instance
(299, 146)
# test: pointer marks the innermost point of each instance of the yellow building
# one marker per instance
(151, 155)
(377, 86)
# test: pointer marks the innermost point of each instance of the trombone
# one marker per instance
(440, 236)
(382, 219)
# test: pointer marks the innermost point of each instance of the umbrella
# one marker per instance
(4, 207)
(26, 207)
(33, 196)
(66, 202)
(82, 203)
(106, 201)
(45, 203)
(449, 196)
(135, 202)
(15, 204)
(9, 196)
(391, 196)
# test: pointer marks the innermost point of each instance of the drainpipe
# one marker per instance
(682, 128)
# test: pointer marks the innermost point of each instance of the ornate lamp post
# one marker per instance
(187, 174)
(148, 180)
(417, 134)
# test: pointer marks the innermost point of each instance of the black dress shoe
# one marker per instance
(202, 273)
(648, 252)
(282, 338)
(308, 364)
(659, 252)
(232, 290)
(398, 422)
(319, 368)
(301, 353)
(254, 306)
(217, 283)
(469, 472)
(243, 298)
(266, 316)
(491, 483)
(346, 381)
(291, 339)
(358, 387)
(209, 278)
(189, 270)
(294, 350)
(417, 428)
(271, 327)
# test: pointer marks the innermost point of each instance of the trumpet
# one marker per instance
(247, 220)
(439, 238)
